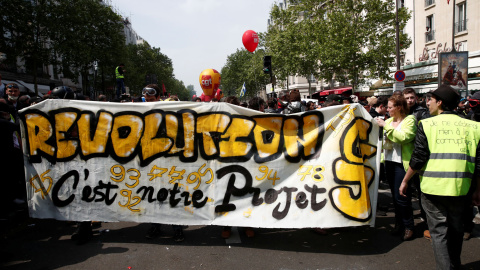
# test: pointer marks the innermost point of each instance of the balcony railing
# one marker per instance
(429, 36)
(429, 2)
(460, 26)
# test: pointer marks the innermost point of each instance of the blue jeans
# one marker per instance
(444, 217)
(403, 205)
(120, 87)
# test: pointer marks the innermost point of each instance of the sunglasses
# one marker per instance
(473, 102)
(12, 86)
(149, 91)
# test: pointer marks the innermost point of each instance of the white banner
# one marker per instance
(200, 163)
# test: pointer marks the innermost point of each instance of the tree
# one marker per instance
(25, 28)
(181, 91)
(349, 40)
(143, 60)
(87, 31)
(70, 35)
(191, 91)
(244, 67)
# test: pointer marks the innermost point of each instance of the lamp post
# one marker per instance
(95, 68)
(453, 27)
(397, 35)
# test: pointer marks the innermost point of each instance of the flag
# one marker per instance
(243, 91)
(164, 90)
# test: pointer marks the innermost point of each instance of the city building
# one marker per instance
(433, 29)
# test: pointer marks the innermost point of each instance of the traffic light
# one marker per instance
(267, 64)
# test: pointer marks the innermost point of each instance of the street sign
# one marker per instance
(399, 76)
(398, 86)
(269, 88)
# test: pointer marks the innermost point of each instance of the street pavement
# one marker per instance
(45, 244)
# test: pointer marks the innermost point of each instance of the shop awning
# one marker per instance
(340, 91)
(367, 93)
(326, 92)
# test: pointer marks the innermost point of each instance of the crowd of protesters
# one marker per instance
(400, 116)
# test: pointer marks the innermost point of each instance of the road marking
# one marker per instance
(234, 237)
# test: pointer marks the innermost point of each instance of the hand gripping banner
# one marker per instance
(200, 164)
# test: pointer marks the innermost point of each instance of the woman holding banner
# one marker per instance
(399, 131)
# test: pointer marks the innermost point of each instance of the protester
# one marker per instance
(414, 108)
(102, 98)
(120, 79)
(295, 105)
(232, 100)
(24, 101)
(256, 103)
(271, 106)
(379, 108)
(399, 132)
(283, 100)
(13, 92)
(461, 107)
(446, 170)
(473, 103)
(9, 163)
(347, 100)
(151, 93)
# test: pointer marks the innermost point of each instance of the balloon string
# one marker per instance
(255, 74)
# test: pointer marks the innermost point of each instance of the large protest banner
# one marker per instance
(200, 163)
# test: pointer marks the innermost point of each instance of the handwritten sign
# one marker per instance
(200, 163)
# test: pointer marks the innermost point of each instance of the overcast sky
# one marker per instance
(195, 34)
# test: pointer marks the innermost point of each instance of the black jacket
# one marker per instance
(419, 112)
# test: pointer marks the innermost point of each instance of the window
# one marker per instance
(430, 33)
(461, 18)
(429, 2)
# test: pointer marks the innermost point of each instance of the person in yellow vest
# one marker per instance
(446, 155)
(120, 78)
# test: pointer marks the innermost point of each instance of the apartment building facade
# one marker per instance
(435, 26)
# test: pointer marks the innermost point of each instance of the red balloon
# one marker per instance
(250, 40)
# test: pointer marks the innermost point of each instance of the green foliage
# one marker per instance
(25, 26)
(191, 92)
(69, 34)
(181, 91)
(87, 31)
(349, 40)
(143, 60)
(243, 66)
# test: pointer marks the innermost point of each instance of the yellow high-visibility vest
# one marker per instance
(117, 73)
(452, 142)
